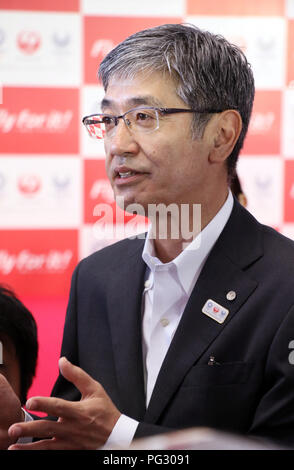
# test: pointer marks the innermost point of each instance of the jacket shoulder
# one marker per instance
(278, 245)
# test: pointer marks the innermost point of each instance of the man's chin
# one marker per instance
(130, 204)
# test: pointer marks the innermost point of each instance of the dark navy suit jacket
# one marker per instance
(251, 389)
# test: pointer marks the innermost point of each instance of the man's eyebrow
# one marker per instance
(105, 103)
(147, 100)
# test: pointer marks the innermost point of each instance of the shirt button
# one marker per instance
(164, 321)
(147, 283)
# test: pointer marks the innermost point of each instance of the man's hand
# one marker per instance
(85, 424)
(10, 412)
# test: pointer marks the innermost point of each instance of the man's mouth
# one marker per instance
(127, 174)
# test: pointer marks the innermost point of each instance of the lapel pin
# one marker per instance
(231, 295)
(215, 311)
(212, 361)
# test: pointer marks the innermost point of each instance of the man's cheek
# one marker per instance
(107, 168)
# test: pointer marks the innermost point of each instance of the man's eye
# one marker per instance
(107, 120)
(143, 116)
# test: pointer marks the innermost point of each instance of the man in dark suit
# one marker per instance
(175, 331)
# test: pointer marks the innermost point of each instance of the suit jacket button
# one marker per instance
(231, 295)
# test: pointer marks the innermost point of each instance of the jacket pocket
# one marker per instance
(222, 374)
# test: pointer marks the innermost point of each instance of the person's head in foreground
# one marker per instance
(18, 343)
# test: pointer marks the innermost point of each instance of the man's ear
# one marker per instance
(227, 128)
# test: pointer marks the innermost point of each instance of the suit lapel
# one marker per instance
(238, 246)
(124, 306)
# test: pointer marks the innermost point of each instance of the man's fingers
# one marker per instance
(74, 374)
(53, 406)
(44, 444)
(41, 429)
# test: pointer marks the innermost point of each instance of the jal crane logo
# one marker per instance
(29, 41)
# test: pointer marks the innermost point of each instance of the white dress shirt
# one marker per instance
(167, 290)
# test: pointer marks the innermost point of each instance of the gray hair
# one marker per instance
(209, 72)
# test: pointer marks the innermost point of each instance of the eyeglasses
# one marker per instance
(141, 120)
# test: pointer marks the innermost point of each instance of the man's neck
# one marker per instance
(169, 246)
(167, 250)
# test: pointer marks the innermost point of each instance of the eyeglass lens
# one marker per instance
(137, 120)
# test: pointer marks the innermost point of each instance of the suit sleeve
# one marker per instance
(69, 349)
(147, 429)
(274, 417)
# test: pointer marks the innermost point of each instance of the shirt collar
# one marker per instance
(190, 261)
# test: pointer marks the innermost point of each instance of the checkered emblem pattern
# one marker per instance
(95, 131)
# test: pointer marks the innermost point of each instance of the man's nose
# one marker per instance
(122, 140)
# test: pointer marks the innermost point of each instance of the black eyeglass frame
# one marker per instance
(87, 121)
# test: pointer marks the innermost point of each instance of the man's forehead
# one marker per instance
(126, 92)
(132, 101)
